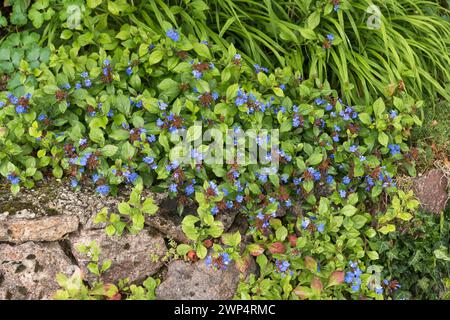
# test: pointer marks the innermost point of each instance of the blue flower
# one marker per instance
(77, 85)
(394, 148)
(214, 210)
(208, 260)
(87, 83)
(84, 74)
(172, 34)
(305, 223)
(173, 188)
(353, 148)
(20, 109)
(346, 180)
(226, 260)
(197, 74)
(148, 160)
(13, 179)
(151, 138)
(330, 179)
(239, 198)
(106, 62)
(129, 71)
(319, 101)
(162, 105)
(103, 189)
(393, 114)
(282, 265)
(342, 193)
(321, 227)
(42, 117)
(189, 190)
(82, 141)
(330, 37)
(74, 183)
(95, 177)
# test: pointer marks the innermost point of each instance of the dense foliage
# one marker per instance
(99, 105)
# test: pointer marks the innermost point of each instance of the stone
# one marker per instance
(28, 270)
(198, 281)
(132, 256)
(47, 228)
(431, 190)
(227, 217)
(168, 221)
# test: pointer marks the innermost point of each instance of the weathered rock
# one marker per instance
(431, 191)
(49, 228)
(198, 281)
(132, 256)
(168, 221)
(53, 197)
(227, 218)
(28, 270)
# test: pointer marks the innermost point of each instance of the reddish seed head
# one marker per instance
(293, 240)
(208, 243)
(192, 256)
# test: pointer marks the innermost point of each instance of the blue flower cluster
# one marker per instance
(353, 277)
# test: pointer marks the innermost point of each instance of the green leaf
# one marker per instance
(149, 207)
(387, 228)
(124, 208)
(231, 239)
(383, 138)
(281, 233)
(93, 3)
(202, 50)
(348, 210)
(57, 172)
(365, 118)
(373, 255)
(313, 20)
(183, 249)
(314, 159)
(109, 150)
(379, 107)
(155, 57)
(201, 251)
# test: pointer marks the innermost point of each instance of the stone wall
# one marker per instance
(41, 228)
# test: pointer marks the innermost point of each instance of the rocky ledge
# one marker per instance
(41, 228)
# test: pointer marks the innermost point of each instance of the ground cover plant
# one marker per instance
(98, 102)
